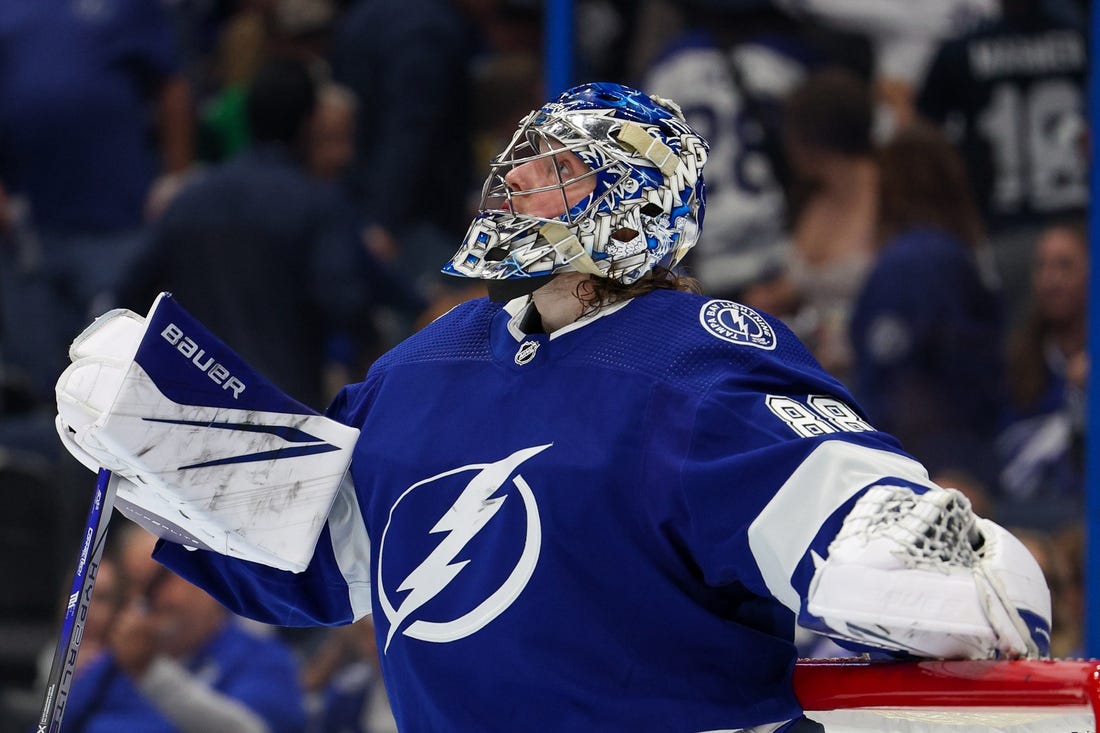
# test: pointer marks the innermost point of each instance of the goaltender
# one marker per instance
(596, 500)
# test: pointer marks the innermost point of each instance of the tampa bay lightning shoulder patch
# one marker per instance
(737, 324)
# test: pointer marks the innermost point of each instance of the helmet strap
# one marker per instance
(569, 248)
(649, 147)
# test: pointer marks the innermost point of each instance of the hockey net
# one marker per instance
(859, 696)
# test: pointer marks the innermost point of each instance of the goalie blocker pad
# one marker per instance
(215, 455)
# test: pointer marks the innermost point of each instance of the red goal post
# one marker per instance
(1025, 696)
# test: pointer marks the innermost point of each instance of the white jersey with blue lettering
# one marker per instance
(611, 527)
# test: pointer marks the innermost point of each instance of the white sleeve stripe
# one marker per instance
(351, 547)
(833, 473)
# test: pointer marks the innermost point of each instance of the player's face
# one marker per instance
(548, 186)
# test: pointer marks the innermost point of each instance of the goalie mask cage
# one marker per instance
(1025, 696)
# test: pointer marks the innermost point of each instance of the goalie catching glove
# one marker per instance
(214, 455)
(920, 573)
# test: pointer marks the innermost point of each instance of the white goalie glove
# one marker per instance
(214, 455)
(920, 573)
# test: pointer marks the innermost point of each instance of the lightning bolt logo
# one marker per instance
(739, 323)
(468, 515)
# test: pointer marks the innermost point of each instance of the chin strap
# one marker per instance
(501, 291)
(568, 247)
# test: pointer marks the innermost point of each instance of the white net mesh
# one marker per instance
(926, 527)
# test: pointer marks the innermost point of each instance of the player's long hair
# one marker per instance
(603, 291)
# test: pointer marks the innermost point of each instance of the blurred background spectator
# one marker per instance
(331, 146)
(308, 230)
(102, 699)
(268, 257)
(343, 683)
(171, 658)
(927, 325)
(832, 205)
(1042, 444)
(729, 70)
(902, 42)
(1010, 94)
(96, 128)
(408, 63)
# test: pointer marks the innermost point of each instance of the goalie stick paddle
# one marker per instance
(76, 611)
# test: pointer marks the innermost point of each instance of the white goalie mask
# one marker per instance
(637, 201)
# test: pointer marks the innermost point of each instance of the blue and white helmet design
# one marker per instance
(645, 209)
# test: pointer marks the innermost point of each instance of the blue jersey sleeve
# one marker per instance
(316, 597)
(777, 458)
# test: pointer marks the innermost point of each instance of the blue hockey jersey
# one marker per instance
(609, 528)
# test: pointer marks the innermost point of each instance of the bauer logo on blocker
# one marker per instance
(206, 364)
(737, 324)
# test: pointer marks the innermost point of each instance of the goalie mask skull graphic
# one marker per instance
(644, 209)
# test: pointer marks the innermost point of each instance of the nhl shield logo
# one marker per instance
(737, 324)
(526, 352)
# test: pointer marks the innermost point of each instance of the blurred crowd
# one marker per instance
(904, 184)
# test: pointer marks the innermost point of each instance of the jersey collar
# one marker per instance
(519, 308)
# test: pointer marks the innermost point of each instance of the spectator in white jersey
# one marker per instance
(595, 500)
(730, 83)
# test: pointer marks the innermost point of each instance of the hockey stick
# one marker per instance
(76, 611)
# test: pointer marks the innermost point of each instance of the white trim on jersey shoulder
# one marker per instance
(518, 309)
(834, 472)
